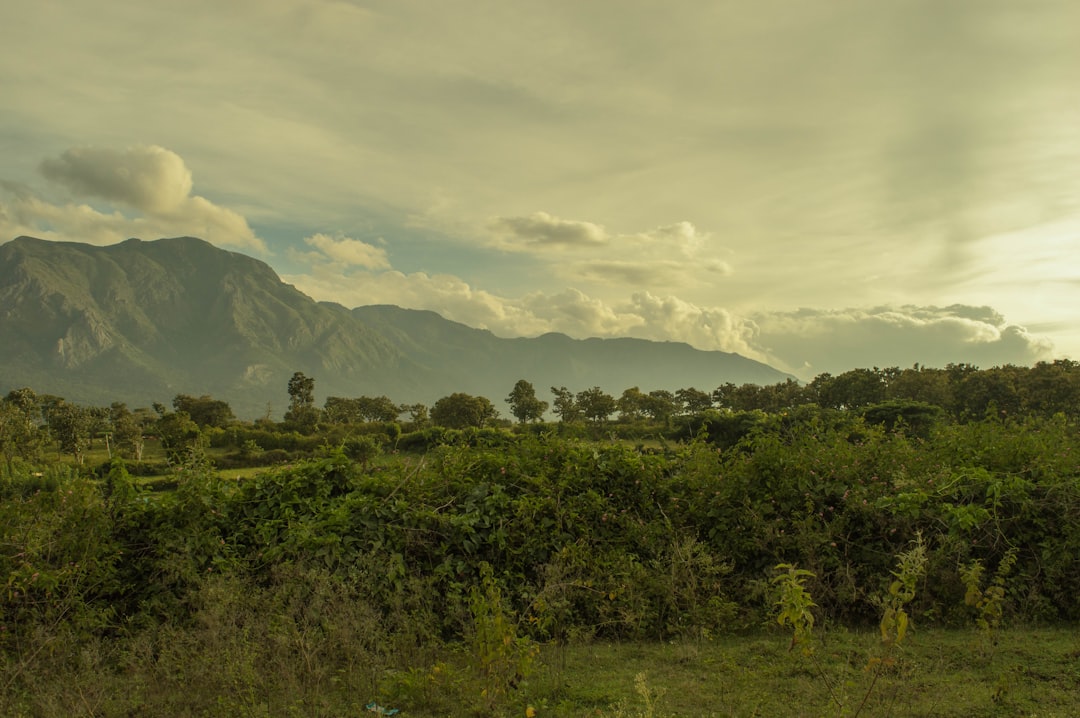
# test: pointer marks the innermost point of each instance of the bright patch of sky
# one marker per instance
(816, 185)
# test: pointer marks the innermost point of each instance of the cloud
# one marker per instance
(349, 252)
(668, 256)
(643, 273)
(153, 181)
(805, 342)
(811, 341)
(150, 179)
(542, 229)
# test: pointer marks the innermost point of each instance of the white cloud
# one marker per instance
(806, 342)
(349, 252)
(151, 180)
(812, 341)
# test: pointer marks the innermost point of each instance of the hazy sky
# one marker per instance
(820, 185)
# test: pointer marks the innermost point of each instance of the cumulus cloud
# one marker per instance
(150, 179)
(153, 181)
(811, 341)
(349, 252)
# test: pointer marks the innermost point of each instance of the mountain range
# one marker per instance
(143, 321)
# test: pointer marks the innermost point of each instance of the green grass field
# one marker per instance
(1032, 672)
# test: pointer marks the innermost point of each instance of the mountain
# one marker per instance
(143, 321)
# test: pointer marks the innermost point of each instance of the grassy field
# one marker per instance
(1032, 672)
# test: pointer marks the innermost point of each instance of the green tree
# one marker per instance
(339, 410)
(458, 411)
(1049, 388)
(378, 408)
(660, 405)
(850, 390)
(301, 391)
(127, 431)
(931, 386)
(302, 412)
(177, 433)
(523, 402)
(596, 405)
(20, 435)
(989, 392)
(205, 410)
(693, 401)
(418, 415)
(70, 427)
(631, 404)
(565, 406)
(365, 408)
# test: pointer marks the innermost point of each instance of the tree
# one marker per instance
(339, 410)
(302, 411)
(595, 404)
(631, 405)
(177, 433)
(458, 411)
(70, 427)
(931, 386)
(693, 401)
(127, 431)
(378, 408)
(301, 391)
(418, 415)
(565, 406)
(660, 405)
(850, 390)
(365, 408)
(19, 432)
(523, 402)
(205, 410)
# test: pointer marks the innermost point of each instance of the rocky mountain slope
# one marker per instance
(143, 321)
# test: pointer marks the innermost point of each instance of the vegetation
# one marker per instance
(453, 567)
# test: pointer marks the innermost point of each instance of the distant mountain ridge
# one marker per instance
(142, 321)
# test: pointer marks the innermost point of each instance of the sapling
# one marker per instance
(795, 609)
(989, 602)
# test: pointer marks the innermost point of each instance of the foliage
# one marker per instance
(988, 601)
(523, 402)
(205, 410)
(458, 411)
(456, 534)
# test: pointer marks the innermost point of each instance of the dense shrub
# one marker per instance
(582, 538)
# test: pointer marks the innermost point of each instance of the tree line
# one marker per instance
(29, 422)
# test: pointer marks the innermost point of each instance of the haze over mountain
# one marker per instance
(143, 321)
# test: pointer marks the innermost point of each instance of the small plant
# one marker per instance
(649, 698)
(911, 565)
(988, 602)
(501, 658)
(795, 605)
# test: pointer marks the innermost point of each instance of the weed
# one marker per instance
(988, 602)
(795, 606)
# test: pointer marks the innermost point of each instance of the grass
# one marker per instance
(943, 673)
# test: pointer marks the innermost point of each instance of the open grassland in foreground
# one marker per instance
(939, 673)
(1032, 672)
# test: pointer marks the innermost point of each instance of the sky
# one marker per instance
(817, 185)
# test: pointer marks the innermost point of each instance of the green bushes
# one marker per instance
(569, 538)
